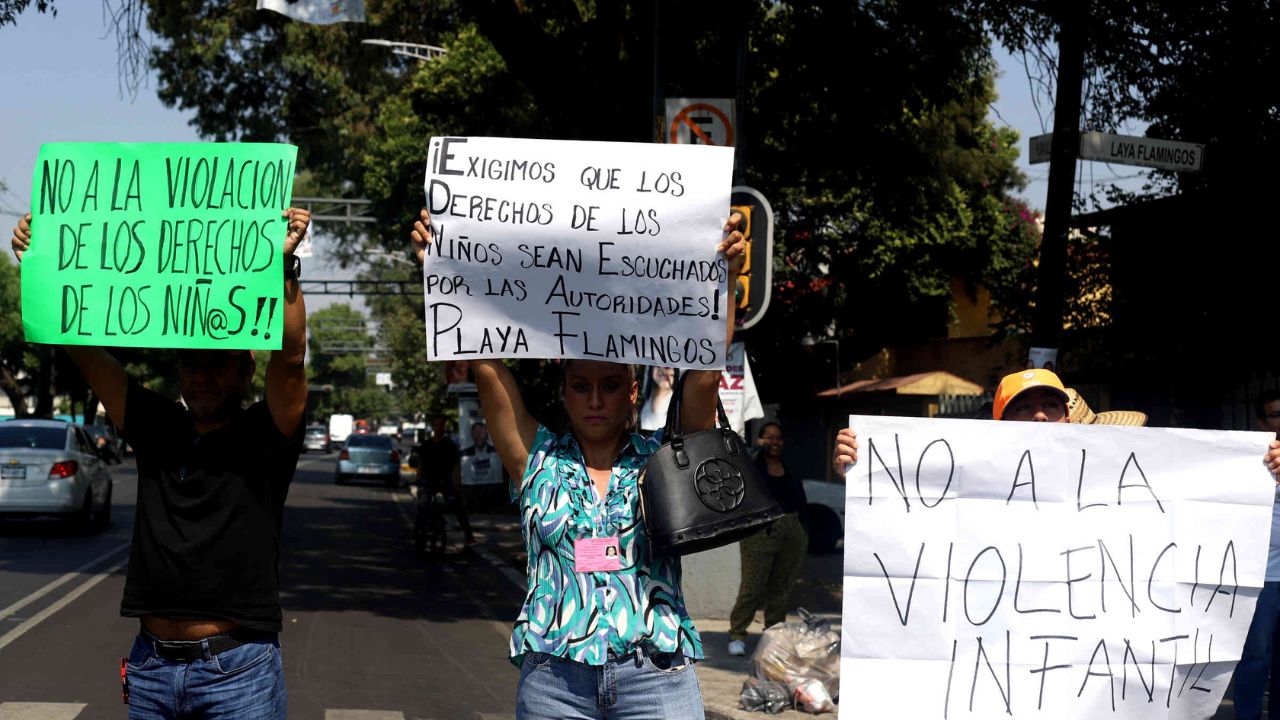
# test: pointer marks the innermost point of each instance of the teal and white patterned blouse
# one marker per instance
(586, 616)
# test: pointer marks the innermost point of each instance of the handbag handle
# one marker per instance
(672, 431)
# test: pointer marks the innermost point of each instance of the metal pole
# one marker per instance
(1047, 328)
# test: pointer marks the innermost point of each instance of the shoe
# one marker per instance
(737, 648)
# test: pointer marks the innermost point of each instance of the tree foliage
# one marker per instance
(1188, 71)
(10, 9)
(865, 124)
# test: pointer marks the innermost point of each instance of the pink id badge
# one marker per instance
(596, 555)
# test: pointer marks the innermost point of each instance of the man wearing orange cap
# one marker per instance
(204, 565)
(1026, 395)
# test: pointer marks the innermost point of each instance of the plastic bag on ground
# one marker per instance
(795, 654)
(763, 696)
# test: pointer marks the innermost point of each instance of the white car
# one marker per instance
(389, 431)
(825, 522)
(52, 467)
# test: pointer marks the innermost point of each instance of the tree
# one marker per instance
(864, 124)
(10, 9)
(1187, 70)
(339, 345)
(13, 352)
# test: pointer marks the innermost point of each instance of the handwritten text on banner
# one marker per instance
(157, 245)
(1049, 571)
(550, 248)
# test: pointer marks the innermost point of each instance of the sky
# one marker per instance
(60, 73)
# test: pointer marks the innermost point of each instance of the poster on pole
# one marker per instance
(1033, 570)
(167, 245)
(565, 249)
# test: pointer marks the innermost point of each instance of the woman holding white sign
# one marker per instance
(603, 631)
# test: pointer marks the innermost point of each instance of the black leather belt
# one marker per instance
(192, 650)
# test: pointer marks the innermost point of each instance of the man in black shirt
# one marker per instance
(212, 479)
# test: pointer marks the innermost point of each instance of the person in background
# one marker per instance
(1258, 659)
(440, 470)
(653, 412)
(773, 557)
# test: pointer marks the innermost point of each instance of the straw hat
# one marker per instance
(1080, 413)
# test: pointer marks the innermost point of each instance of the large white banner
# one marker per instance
(596, 250)
(1000, 569)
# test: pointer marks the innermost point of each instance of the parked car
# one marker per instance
(372, 456)
(825, 511)
(52, 467)
(389, 431)
(108, 444)
(316, 437)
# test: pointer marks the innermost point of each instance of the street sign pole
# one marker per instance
(1046, 333)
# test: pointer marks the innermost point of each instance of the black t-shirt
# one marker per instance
(206, 538)
(788, 491)
(437, 457)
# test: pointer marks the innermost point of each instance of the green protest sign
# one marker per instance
(158, 245)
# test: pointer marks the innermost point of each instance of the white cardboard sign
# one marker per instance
(594, 250)
(1048, 570)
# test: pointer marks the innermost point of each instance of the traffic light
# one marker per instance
(741, 292)
(755, 281)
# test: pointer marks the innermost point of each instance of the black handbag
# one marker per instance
(702, 490)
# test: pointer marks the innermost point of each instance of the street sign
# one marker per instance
(1127, 150)
(756, 279)
(1040, 146)
(700, 121)
(382, 378)
(1144, 152)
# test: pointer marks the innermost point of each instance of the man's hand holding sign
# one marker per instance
(1056, 570)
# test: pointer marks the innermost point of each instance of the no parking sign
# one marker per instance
(700, 121)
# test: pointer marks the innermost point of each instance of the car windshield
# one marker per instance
(97, 430)
(315, 430)
(370, 441)
(26, 436)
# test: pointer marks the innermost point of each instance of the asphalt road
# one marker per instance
(372, 631)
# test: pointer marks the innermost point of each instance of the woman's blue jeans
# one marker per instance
(244, 683)
(661, 686)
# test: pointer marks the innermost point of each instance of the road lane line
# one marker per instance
(40, 711)
(62, 602)
(55, 584)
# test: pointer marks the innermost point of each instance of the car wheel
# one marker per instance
(102, 519)
(339, 478)
(82, 519)
(823, 527)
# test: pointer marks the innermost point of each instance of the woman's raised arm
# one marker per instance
(702, 388)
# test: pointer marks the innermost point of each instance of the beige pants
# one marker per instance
(771, 562)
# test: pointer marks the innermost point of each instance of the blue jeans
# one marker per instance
(1257, 659)
(245, 683)
(661, 686)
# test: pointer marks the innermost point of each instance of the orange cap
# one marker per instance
(1014, 384)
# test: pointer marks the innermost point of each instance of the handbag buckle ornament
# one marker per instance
(719, 484)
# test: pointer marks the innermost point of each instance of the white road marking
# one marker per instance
(55, 584)
(62, 602)
(359, 715)
(39, 711)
